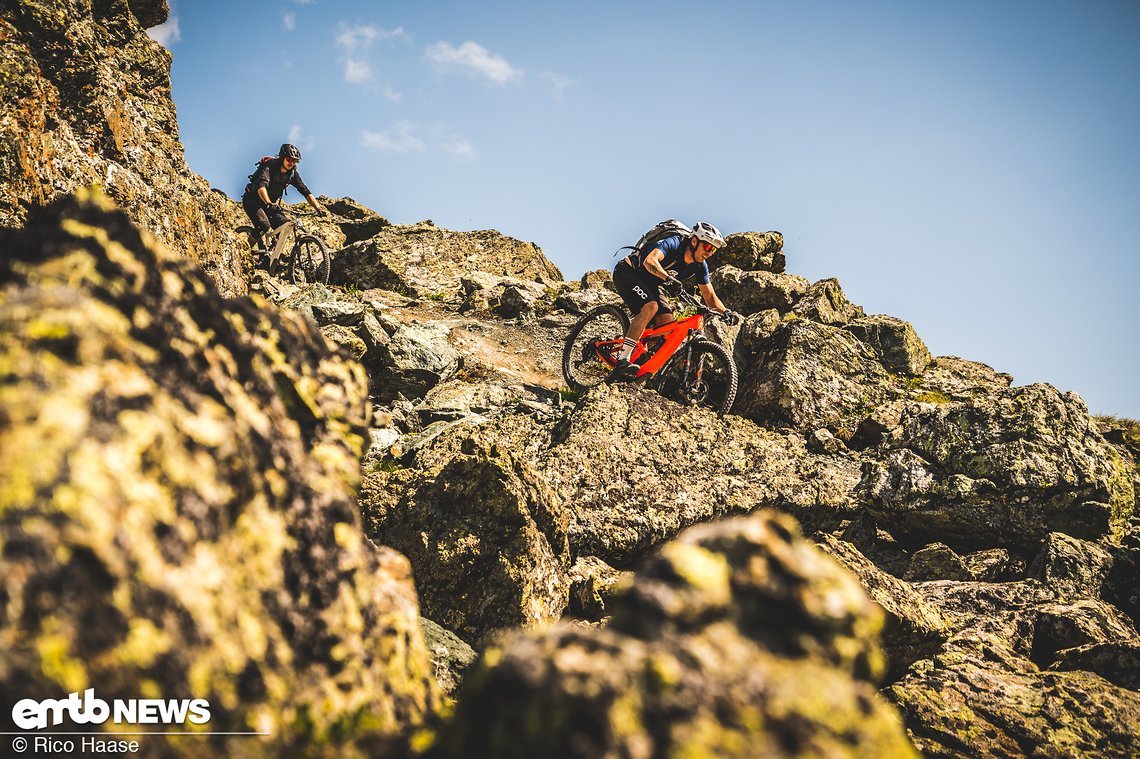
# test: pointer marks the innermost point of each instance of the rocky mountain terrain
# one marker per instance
(369, 519)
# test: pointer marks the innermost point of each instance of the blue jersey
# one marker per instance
(674, 249)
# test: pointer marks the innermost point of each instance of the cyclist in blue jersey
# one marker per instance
(643, 275)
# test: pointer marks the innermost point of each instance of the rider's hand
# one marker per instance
(672, 286)
(731, 318)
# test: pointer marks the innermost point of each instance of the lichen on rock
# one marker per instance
(147, 549)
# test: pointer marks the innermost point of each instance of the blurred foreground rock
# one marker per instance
(738, 639)
(177, 502)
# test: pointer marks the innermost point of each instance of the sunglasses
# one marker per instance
(708, 247)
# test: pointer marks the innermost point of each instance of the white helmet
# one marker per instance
(706, 232)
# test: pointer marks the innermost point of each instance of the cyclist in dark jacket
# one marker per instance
(266, 186)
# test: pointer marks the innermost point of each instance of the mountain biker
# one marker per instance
(641, 276)
(266, 186)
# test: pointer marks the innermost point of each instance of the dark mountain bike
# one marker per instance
(306, 260)
(678, 359)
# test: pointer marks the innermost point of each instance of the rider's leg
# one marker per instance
(637, 327)
(255, 210)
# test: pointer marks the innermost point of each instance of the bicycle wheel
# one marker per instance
(592, 346)
(711, 379)
(310, 261)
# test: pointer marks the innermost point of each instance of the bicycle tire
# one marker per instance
(716, 388)
(609, 322)
(310, 261)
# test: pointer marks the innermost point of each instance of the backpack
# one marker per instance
(257, 167)
(649, 240)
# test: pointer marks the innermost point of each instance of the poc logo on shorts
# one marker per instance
(637, 289)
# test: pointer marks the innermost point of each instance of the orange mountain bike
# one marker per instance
(678, 359)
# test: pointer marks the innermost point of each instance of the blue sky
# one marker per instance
(971, 167)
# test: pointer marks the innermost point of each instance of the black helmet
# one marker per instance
(289, 151)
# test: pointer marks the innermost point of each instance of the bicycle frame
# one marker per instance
(280, 236)
(676, 333)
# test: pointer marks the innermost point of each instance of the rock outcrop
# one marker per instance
(485, 536)
(424, 260)
(177, 501)
(85, 99)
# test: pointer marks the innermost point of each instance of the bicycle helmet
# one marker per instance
(706, 232)
(289, 151)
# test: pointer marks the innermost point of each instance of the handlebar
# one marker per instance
(702, 309)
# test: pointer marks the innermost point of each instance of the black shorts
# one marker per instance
(638, 287)
(264, 217)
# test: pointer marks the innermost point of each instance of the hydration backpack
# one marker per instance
(649, 240)
(257, 168)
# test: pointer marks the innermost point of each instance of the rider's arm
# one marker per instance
(711, 300)
(653, 265)
(303, 188)
(264, 195)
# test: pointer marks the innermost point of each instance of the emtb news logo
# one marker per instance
(29, 714)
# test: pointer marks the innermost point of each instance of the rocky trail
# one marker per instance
(369, 519)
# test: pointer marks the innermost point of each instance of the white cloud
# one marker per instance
(405, 137)
(390, 93)
(357, 71)
(459, 149)
(559, 84)
(289, 21)
(353, 38)
(298, 138)
(354, 42)
(400, 138)
(475, 60)
(445, 141)
(166, 33)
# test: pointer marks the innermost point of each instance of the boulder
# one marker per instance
(981, 698)
(936, 561)
(423, 260)
(748, 292)
(1122, 586)
(485, 535)
(502, 296)
(614, 460)
(914, 630)
(354, 221)
(581, 301)
(592, 584)
(178, 501)
(456, 399)
(894, 341)
(993, 565)
(599, 278)
(1004, 468)
(1064, 625)
(707, 654)
(450, 656)
(1118, 662)
(752, 251)
(345, 339)
(808, 375)
(949, 378)
(415, 359)
(150, 13)
(1073, 568)
(987, 692)
(824, 302)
